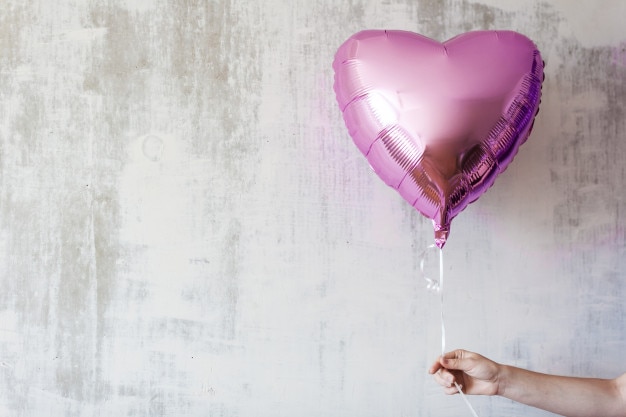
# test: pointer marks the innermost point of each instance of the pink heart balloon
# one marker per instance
(438, 121)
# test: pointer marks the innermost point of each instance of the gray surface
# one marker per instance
(186, 228)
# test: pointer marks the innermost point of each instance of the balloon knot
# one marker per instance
(441, 235)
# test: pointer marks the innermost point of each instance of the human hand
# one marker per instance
(475, 374)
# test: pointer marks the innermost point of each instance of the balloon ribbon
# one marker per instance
(438, 287)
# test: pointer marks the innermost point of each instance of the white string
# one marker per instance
(443, 331)
(443, 326)
(438, 286)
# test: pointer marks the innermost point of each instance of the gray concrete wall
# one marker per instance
(186, 228)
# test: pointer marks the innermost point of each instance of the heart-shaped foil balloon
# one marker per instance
(438, 121)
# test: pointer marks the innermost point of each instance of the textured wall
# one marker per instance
(186, 228)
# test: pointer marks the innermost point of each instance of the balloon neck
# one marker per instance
(441, 235)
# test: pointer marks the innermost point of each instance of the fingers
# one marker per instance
(447, 380)
(435, 367)
(444, 378)
(452, 390)
(451, 369)
(439, 369)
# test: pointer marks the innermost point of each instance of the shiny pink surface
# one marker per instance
(438, 121)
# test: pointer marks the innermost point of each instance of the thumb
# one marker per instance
(457, 360)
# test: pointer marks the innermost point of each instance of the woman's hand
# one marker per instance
(474, 373)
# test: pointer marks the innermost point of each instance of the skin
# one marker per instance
(568, 396)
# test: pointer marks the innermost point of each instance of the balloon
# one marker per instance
(438, 121)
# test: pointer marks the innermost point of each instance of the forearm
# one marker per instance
(567, 396)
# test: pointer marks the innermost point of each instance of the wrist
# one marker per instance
(503, 376)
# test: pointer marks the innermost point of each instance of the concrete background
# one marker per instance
(186, 228)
